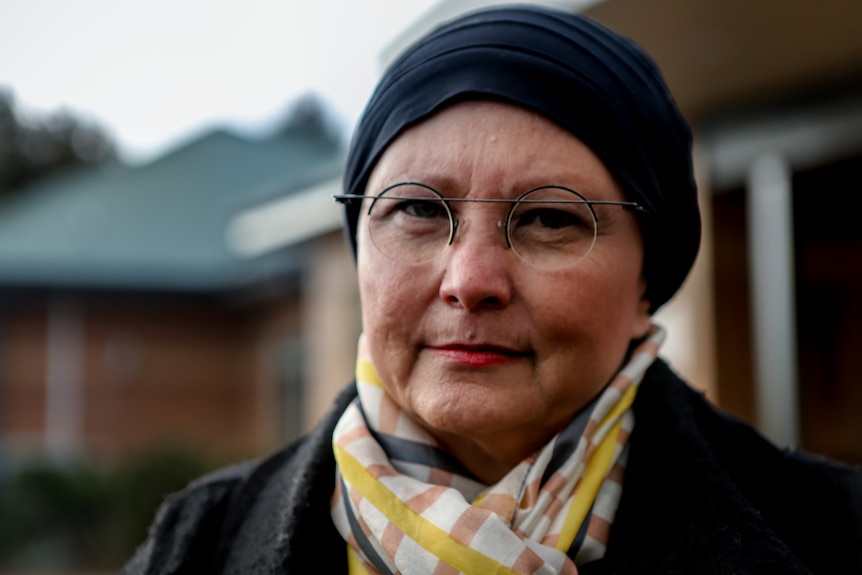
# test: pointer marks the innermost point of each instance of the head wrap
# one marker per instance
(589, 80)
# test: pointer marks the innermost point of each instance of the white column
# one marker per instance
(63, 379)
(770, 250)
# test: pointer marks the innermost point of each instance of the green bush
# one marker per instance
(80, 515)
(51, 515)
(142, 483)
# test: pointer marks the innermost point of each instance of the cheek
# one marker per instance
(376, 281)
(388, 291)
(380, 298)
(394, 304)
(593, 309)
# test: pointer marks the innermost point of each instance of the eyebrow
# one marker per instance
(442, 183)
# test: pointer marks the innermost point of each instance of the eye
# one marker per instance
(549, 222)
(422, 208)
(549, 218)
(410, 202)
(409, 223)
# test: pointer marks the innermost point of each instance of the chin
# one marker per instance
(470, 412)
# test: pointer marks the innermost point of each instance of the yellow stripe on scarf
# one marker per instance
(435, 540)
(354, 563)
(597, 469)
(625, 401)
(366, 373)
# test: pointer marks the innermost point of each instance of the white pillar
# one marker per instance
(770, 249)
(63, 379)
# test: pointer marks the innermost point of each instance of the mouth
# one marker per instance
(477, 355)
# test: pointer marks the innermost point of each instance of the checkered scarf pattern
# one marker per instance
(404, 505)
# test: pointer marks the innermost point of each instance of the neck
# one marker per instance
(490, 460)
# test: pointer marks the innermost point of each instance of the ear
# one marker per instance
(642, 320)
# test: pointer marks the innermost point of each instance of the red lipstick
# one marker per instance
(473, 355)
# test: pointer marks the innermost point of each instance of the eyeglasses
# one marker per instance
(549, 227)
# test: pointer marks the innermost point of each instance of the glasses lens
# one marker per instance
(552, 228)
(409, 223)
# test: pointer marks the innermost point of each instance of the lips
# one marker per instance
(477, 355)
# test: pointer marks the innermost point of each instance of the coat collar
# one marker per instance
(282, 509)
(681, 512)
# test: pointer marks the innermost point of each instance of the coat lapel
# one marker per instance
(285, 528)
(680, 511)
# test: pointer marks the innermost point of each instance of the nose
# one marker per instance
(477, 274)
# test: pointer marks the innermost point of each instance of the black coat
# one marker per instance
(703, 493)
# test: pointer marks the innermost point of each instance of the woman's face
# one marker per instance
(490, 354)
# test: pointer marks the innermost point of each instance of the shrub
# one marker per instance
(80, 515)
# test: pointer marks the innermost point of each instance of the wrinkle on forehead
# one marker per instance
(478, 162)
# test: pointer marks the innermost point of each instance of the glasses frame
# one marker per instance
(354, 199)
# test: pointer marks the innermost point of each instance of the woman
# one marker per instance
(520, 199)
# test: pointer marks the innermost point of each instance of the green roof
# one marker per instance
(161, 225)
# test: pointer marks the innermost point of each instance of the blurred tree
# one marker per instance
(310, 114)
(34, 147)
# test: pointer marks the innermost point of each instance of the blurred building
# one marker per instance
(127, 317)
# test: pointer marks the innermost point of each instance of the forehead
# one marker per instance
(482, 144)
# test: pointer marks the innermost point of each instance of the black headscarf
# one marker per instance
(589, 80)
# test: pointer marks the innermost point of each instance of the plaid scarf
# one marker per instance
(404, 505)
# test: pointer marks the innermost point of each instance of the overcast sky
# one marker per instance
(154, 72)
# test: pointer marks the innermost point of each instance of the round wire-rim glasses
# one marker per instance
(548, 227)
